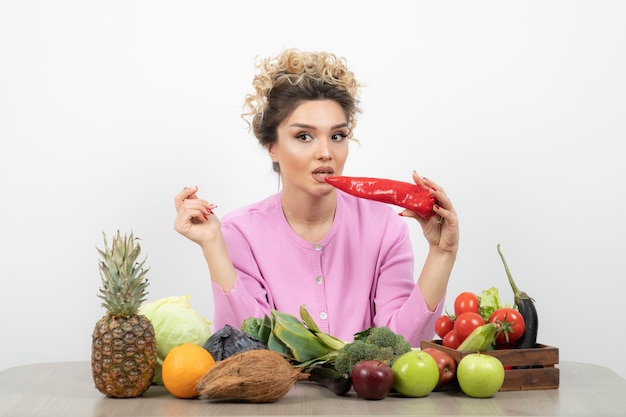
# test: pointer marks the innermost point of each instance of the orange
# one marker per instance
(183, 367)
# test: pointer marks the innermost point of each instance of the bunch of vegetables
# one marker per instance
(482, 322)
(247, 369)
(307, 346)
(326, 360)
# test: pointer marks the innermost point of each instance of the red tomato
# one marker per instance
(466, 323)
(466, 302)
(451, 340)
(510, 324)
(443, 325)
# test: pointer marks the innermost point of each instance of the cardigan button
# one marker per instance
(323, 315)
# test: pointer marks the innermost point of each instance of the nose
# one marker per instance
(323, 150)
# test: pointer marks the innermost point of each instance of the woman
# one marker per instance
(348, 260)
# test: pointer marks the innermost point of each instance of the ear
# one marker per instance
(271, 151)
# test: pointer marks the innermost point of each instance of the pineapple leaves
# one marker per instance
(124, 283)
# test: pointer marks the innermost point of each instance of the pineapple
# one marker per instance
(123, 350)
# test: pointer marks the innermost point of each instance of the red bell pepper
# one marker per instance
(403, 194)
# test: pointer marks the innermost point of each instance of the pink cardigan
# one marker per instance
(359, 276)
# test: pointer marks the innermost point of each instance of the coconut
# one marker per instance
(257, 376)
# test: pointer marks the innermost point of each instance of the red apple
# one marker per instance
(446, 364)
(372, 379)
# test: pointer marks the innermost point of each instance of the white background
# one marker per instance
(108, 109)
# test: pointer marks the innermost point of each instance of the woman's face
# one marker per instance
(312, 144)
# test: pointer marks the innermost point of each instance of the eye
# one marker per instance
(338, 137)
(304, 137)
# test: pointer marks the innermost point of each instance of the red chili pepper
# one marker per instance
(403, 194)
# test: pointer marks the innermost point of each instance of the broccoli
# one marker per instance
(375, 343)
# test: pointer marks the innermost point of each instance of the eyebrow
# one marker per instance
(305, 126)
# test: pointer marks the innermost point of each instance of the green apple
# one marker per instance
(479, 375)
(415, 374)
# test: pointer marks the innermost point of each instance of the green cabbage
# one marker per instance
(175, 322)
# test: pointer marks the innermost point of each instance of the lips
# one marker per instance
(322, 172)
(325, 171)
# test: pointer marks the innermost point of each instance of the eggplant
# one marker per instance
(327, 376)
(526, 307)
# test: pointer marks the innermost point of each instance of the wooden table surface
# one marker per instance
(66, 389)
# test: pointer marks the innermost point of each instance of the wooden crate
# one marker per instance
(532, 369)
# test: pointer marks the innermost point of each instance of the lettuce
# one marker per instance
(489, 301)
(175, 322)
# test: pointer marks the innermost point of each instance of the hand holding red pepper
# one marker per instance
(443, 241)
(442, 230)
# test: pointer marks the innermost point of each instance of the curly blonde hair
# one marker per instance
(290, 78)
